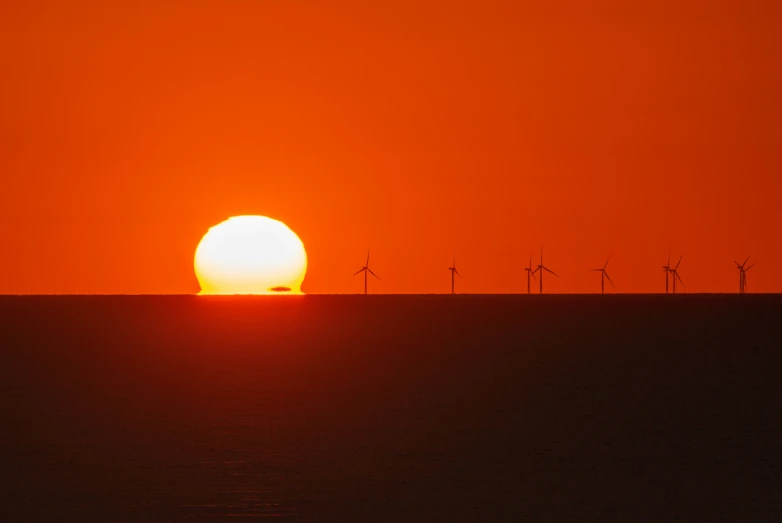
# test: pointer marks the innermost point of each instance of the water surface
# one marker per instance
(390, 408)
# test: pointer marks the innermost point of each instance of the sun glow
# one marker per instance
(250, 255)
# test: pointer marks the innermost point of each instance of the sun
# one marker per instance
(250, 255)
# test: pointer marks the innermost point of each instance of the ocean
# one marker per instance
(627, 408)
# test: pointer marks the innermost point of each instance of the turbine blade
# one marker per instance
(367, 264)
(609, 279)
(358, 272)
(677, 263)
(536, 270)
(530, 262)
(676, 274)
(457, 273)
(608, 260)
(669, 257)
(533, 276)
(595, 270)
(552, 272)
(737, 264)
(745, 261)
(372, 273)
(748, 268)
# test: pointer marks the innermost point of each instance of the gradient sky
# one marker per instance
(412, 127)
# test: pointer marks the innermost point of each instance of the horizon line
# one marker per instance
(198, 295)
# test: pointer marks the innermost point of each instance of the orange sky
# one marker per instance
(412, 127)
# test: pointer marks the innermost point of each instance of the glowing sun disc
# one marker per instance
(250, 255)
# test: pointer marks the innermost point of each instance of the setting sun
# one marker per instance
(250, 255)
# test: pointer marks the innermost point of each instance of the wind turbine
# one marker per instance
(542, 268)
(530, 273)
(365, 269)
(743, 275)
(667, 269)
(603, 276)
(453, 270)
(675, 272)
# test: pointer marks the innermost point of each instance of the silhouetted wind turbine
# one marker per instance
(675, 272)
(530, 273)
(453, 271)
(542, 268)
(667, 269)
(365, 269)
(603, 276)
(743, 275)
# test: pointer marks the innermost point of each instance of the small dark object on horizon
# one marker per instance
(280, 289)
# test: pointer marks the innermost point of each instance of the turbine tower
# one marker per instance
(667, 269)
(453, 270)
(603, 276)
(530, 273)
(675, 273)
(743, 275)
(542, 268)
(366, 270)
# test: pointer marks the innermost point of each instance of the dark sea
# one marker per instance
(391, 408)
